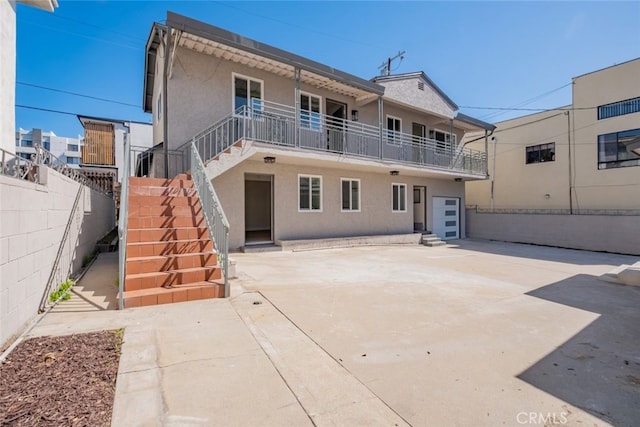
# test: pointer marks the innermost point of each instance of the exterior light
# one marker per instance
(269, 159)
(547, 196)
(457, 179)
(354, 115)
(394, 173)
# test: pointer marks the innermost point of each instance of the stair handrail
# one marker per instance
(123, 221)
(214, 215)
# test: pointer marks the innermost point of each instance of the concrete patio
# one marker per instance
(474, 333)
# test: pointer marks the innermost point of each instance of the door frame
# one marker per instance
(423, 194)
(260, 178)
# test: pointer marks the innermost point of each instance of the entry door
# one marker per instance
(336, 115)
(258, 209)
(446, 217)
(419, 208)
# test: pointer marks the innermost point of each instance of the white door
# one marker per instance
(446, 217)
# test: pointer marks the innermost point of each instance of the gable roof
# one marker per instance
(419, 74)
(241, 43)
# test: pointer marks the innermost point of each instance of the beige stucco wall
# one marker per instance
(7, 75)
(619, 234)
(407, 92)
(33, 218)
(521, 186)
(375, 216)
(616, 188)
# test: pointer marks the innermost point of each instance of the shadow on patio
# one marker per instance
(598, 369)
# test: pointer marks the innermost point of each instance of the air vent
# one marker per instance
(421, 85)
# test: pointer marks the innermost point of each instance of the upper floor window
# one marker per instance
(619, 108)
(394, 127)
(73, 160)
(541, 153)
(350, 195)
(619, 149)
(247, 92)
(72, 147)
(310, 111)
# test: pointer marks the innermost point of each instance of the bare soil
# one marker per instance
(65, 380)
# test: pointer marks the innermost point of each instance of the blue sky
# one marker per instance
(482, 54)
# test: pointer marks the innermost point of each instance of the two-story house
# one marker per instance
(299, 150)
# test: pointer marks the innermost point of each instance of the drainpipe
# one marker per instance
(380, 124)
(451, 140)
(493, 173)
(165, 113)
(486, 151)
(297, 107)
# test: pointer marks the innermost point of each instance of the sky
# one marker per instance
(511, 55)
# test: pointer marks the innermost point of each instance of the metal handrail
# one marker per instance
(276, 124)
(123, 222)
(214, 215)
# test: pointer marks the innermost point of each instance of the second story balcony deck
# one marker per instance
(280, 125)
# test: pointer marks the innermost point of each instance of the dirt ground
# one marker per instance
(64, 380)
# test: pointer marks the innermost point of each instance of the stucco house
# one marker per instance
(299, 150)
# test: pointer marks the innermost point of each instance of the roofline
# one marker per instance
(473, 121)
(149, 78)
(106, 119)
(240, 42)
(424, 76)
(605, 68)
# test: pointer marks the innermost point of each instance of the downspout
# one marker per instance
(451, 141)
(165, 113)
(493, 173)
(297, 106)
(380, 122)
(486, 151)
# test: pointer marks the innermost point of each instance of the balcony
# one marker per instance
(277, 124)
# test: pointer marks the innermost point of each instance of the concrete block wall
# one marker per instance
(607, 233)
(33, 219)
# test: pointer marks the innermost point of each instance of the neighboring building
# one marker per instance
(578, 158)
(311, 152)
(8, 66)
(65, 149)
(104, 138)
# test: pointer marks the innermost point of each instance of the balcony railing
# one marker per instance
(277, 124)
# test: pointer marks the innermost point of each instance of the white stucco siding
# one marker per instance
(375, 216)
(407, 92)
(7, 74)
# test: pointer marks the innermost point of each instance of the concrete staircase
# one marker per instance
(432, 240)
(170, 256)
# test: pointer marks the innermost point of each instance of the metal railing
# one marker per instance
(527, 211)
(276, 124)
(123, 222)
(29, 169)
(214, 215)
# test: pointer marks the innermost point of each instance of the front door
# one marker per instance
(336, 116)
(419, 208)
(258, 209)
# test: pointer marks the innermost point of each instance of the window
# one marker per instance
(310, 111)
(72, 147)
(350, 195)
(541, 153)
(442, 138)
(159, 109)
(619, 149)
(27, 143)
(399, 197)
(309, 193)
(247, 92)
(619, 108)
(394, 127)
(73, 160)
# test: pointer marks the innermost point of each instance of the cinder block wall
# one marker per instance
(607, 233)
(33, 219)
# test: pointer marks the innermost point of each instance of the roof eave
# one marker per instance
(149, 60)
(474, 122)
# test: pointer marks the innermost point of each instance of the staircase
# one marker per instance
(432, 240)
(170, 256)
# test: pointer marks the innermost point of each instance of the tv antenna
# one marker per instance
(385, 67)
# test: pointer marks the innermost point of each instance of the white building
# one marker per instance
(65, 149)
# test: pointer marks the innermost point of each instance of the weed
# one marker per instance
(62, 293)
(88, 258)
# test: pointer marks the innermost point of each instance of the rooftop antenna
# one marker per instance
(385, 67)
